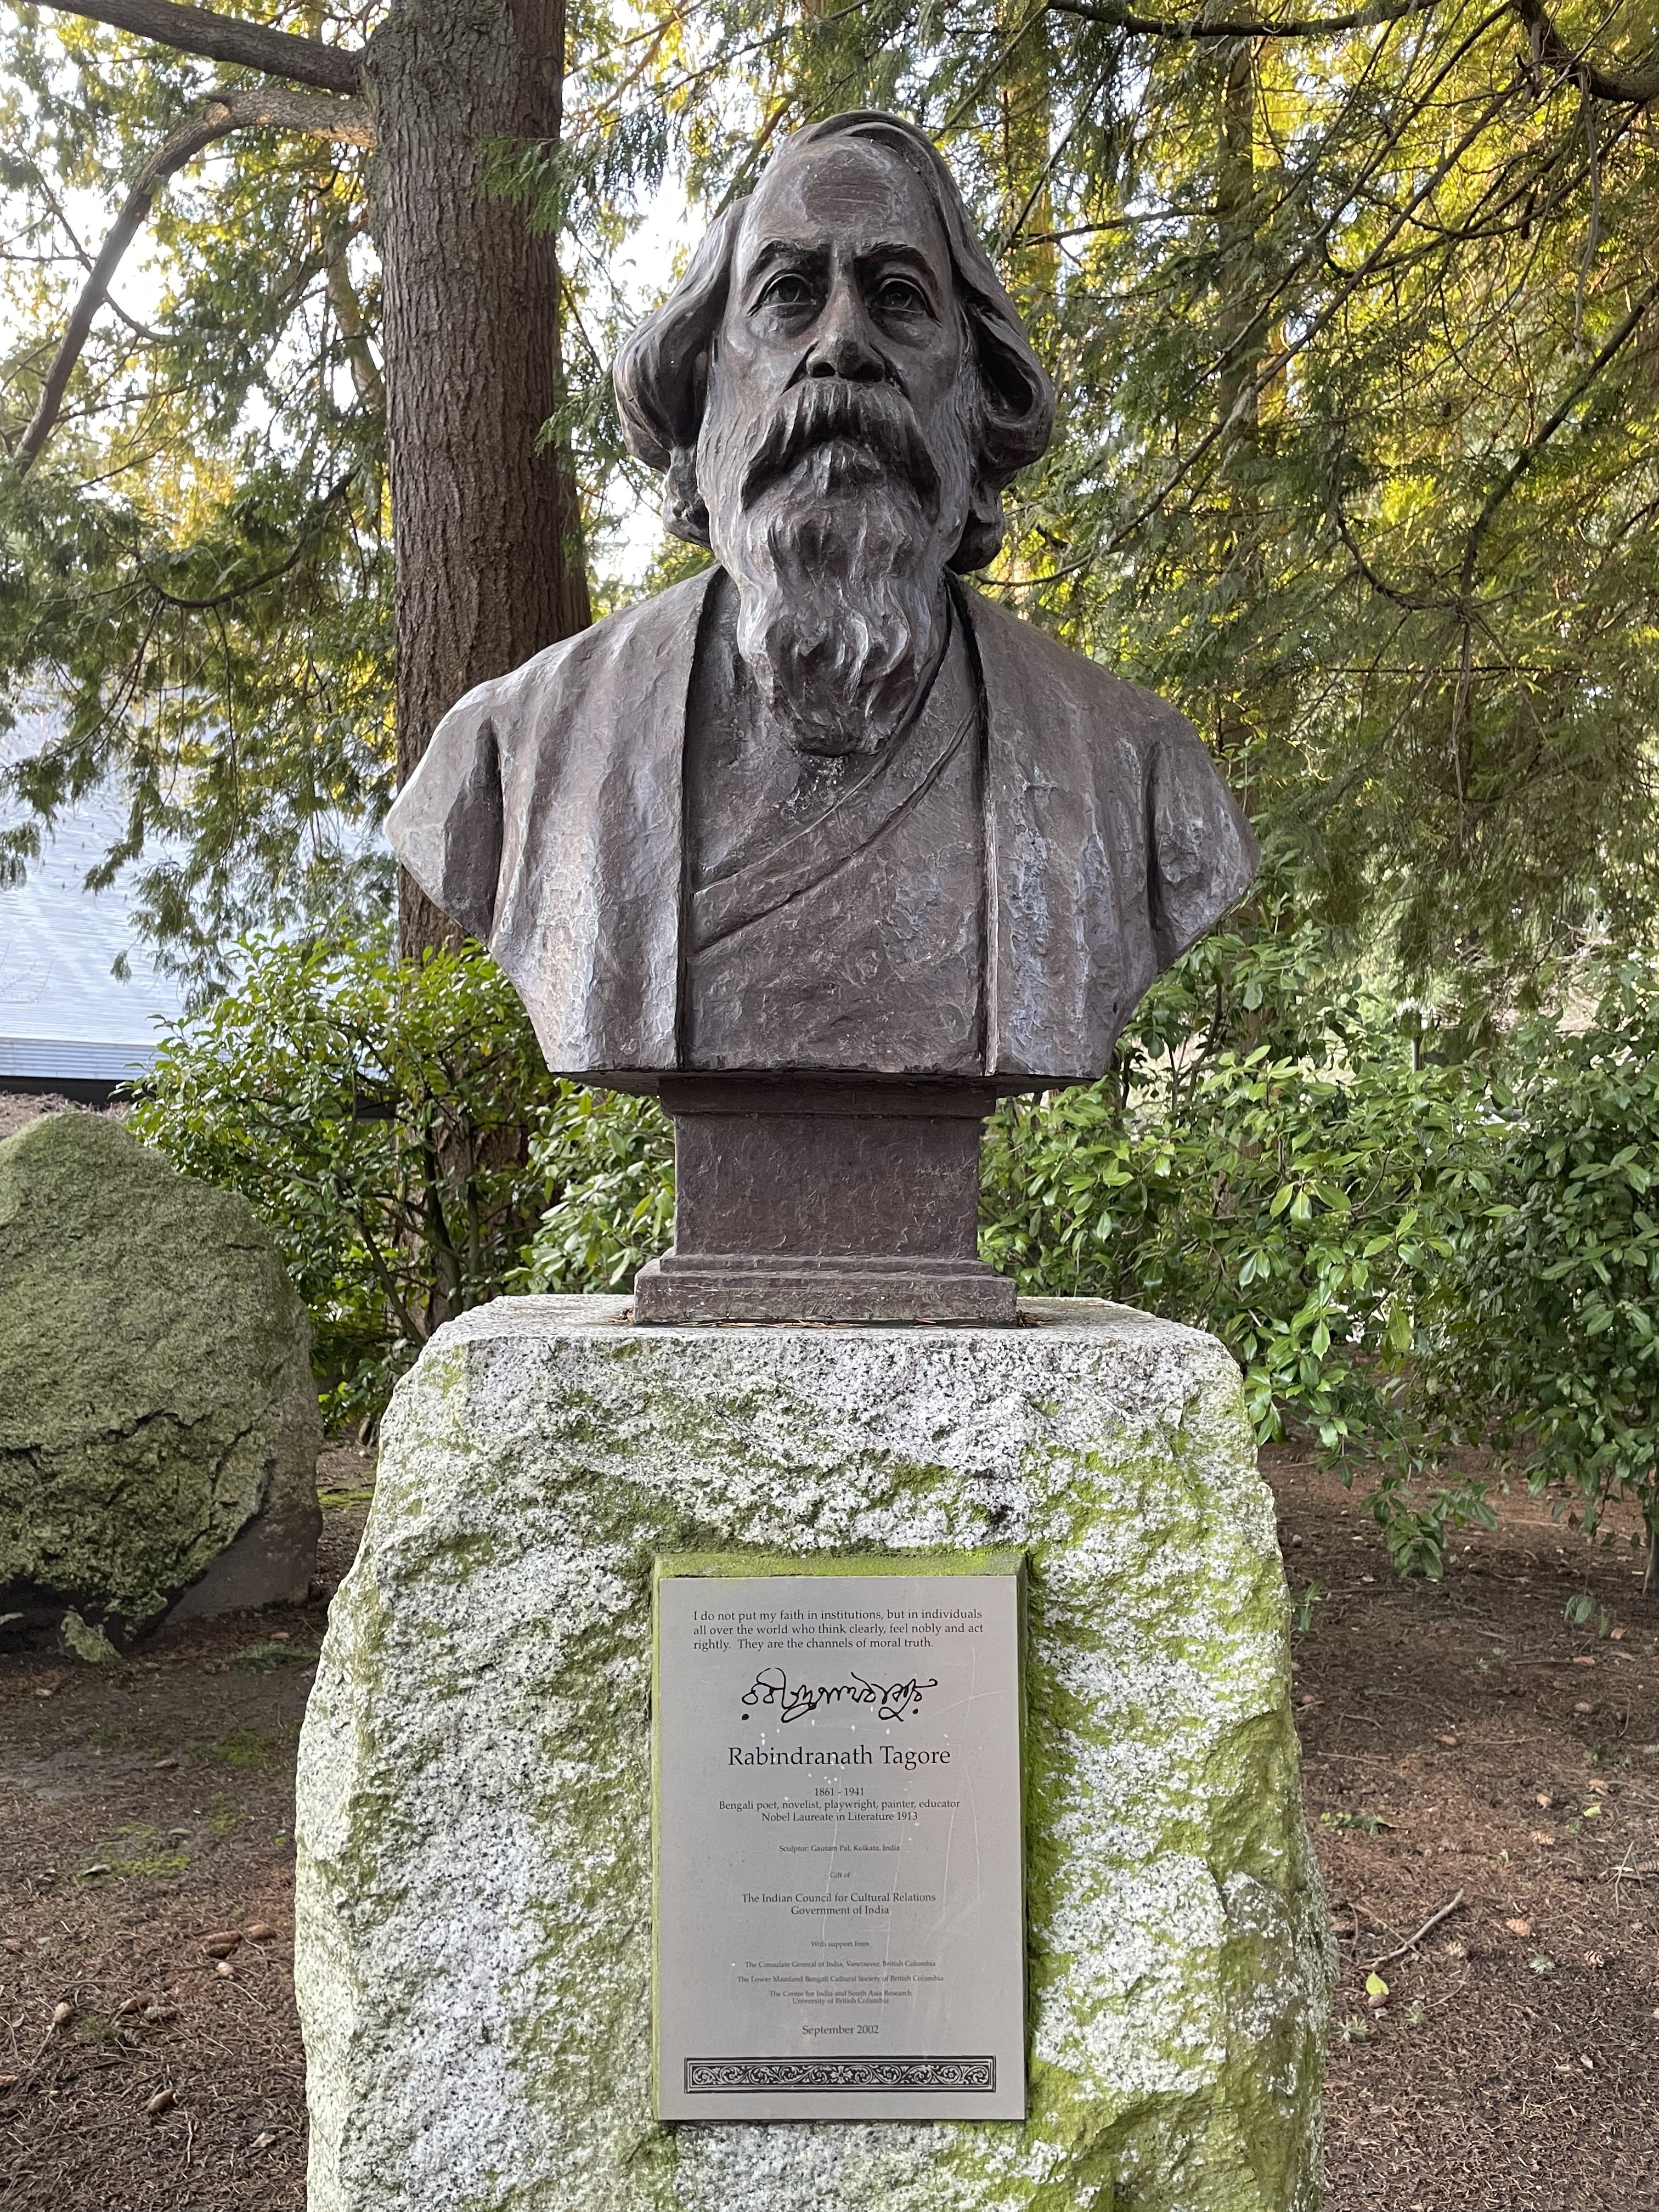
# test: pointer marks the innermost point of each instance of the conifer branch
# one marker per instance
(344, 121)
(1550, 46)
(226, 39)
(1618, 339)
(1123, 18)
(341, 296)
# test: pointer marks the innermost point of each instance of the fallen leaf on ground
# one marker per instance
(264, 2142)
(129, 2004)
(62, 2014)
(161, 2101)
(1519, 1927)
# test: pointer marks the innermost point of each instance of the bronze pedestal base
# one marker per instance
(828, 1200)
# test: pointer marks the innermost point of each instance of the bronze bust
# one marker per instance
(822, 846)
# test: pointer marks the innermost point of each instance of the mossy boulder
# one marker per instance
(474, 1953)
(159, 1429)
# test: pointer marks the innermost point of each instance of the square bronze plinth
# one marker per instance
(824, 1201)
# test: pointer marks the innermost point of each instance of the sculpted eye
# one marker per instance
(790, 289)
(897, 295)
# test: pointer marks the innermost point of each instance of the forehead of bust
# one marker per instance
(848, 193)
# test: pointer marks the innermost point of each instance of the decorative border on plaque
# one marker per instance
(725, 2077)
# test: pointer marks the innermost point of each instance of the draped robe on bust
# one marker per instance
(835, 915)
(550, 818)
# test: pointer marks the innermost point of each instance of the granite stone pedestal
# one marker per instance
(474, 1920)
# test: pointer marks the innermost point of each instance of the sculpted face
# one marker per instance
(834, 457)
(842, 298)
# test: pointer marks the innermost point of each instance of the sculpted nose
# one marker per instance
(844, 344)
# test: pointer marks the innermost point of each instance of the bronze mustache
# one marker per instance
(826, 409)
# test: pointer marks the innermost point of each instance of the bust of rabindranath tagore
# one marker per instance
(821, 844)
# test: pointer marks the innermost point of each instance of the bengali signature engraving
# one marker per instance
(725, 2077)
(893, 1701)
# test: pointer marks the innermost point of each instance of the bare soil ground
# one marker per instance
(1461, 1741)
(146, 1806)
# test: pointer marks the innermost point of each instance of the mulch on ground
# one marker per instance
(18, 1107)
(1461, 1741)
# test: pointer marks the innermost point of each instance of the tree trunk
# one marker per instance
(486, 533)
(1241, 330)
(1243, 334)
(1025, 101)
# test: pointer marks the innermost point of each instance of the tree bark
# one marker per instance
(1242, 335)
(485, 528)
(1240, 328)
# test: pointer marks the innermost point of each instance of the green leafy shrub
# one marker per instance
(1545, 1335)
(378, 1115)
(1271, 1162)
(610, 1157)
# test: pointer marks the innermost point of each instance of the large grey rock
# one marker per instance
(159, 1429)
(474, 1947)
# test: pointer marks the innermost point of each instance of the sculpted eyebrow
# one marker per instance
(784, 250)
(908, 256)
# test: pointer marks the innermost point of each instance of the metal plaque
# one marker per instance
(840, 1895)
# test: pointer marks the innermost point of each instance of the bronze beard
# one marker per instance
(833, 523)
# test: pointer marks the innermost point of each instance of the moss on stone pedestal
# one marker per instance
(474, 1942)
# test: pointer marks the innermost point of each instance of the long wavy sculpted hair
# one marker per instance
(661, 372)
